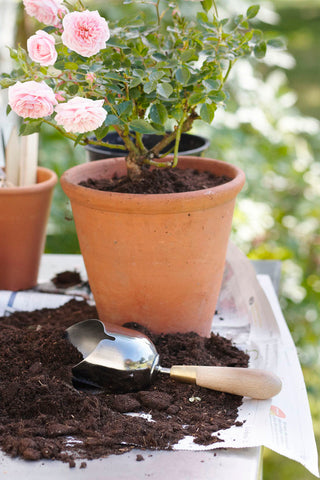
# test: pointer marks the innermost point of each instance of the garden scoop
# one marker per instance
(122, 360)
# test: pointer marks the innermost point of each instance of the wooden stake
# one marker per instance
(12, 157)
(29, 159)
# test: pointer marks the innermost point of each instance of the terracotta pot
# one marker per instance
(24, 212)
(154, 259)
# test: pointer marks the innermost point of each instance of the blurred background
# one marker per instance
(271, 129)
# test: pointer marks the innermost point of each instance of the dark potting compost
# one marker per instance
(66, 279)
(158, 181)
(42, 416)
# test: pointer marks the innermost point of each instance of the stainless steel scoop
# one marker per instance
(123, 360)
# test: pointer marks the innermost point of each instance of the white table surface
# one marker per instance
(222, 464)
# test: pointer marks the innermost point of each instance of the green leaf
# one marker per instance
(245, 25)
(236, 21)
(253, 11)
(276, 43)
(13, 53)
(73, 89)
(164, 89)
(196, 98)
(207, 112)
(59, 65)
(217, 96)
(188, 54)
(115, 89)
(257, 35)
(111, 120)
(206, 5)
(135, 93)
(156, 75)
(260, 49)
(202, 17)
(49, 29)
(141, 126)
(8, 110)
(159, 57)
(31, 127)
(177, 113)
(182, 75)
(78, 139)
(158, 113)
(6, 82)
(138, 72)
(149, 87)
(135, 82)
(71, 66)
(101, 132)
(211, 84)
(113, 76)
(124, 108)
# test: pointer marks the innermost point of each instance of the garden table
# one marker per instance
(221, 464)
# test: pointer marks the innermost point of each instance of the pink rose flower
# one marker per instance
(80, 115)
(31, 99)
(48, 12)
(85, 32)
(41, 48)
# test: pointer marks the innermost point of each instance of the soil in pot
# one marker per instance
(43, 416)
(157, 181)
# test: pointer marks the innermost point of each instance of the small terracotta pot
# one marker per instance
(24, 213)
(157, 260)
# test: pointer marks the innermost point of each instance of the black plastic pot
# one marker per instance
(189, 145)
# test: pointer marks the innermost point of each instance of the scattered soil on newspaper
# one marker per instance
(159, 181)
(42, 416)
(66, 279)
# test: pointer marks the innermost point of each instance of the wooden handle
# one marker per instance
(247, 382)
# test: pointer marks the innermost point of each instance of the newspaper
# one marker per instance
(248, 313)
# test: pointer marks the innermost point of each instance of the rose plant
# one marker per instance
(84, 75)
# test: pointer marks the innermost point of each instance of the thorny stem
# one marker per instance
(128, 142)
(158, 11)
(177, 142)
(64, 133)
(111, 106)
(86, 140)
(160, 164)
(139, 143)
(131, 147)
(215, 8)
(167, 139)
(89, 141)
(228, 71)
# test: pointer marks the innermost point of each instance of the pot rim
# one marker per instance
(46, 179)
(151, 203)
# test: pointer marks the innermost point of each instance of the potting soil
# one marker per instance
(42, 415)
(162, 180)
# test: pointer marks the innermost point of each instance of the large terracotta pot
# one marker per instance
(154, 259)
(24, 212)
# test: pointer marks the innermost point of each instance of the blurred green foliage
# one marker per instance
(59, 154)
(299, 24)
(265, 131)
